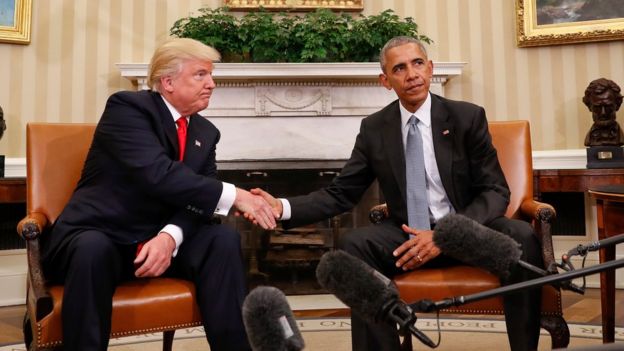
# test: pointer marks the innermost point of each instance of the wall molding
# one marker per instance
(551, 159)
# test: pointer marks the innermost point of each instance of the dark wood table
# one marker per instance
(574, 180)
(610, 218)
(12, 190)
(12, 210)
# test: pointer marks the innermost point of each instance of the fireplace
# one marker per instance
(287, 258)
(289, 128)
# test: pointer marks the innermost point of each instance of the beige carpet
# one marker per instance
(334, 334)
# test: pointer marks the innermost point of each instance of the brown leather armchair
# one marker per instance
(55, 156)
(512, 141)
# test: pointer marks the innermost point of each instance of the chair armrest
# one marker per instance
(542, 215)
(378, 213)
(30, 228)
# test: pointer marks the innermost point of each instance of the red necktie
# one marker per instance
(182, 126)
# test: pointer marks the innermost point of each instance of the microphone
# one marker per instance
(460, 237)
(582, 250)
(368, 292)
(464, 239)
(269, 321)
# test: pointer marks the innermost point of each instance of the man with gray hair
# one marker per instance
(431, 156)
(146, 204)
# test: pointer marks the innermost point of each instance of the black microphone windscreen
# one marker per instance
(269, 321)
(463, 239)
(355, 283)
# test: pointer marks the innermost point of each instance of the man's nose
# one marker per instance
(412, 72)
(209, 82)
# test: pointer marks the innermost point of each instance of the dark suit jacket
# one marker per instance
(466, 159)
(132, 183)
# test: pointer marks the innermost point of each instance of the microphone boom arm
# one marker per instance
(566, 284)
(582, 250)
(429, 306)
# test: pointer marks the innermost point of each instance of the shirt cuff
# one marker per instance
(286, 213)
(176, 233)
(228, 195)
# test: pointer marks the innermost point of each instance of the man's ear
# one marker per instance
(166, 82)
(383, 79)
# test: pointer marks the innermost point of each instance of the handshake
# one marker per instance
(258, 207)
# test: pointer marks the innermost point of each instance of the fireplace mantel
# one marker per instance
(227, 72)
(293, 111)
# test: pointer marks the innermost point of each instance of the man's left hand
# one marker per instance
(419, 249)
(155, 256)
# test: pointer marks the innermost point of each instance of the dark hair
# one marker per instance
(599, 86)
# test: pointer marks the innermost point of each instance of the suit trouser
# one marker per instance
(374, 245)
(90, 266)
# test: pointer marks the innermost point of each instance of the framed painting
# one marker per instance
(15, 17)
(295, 5)
(550, 22)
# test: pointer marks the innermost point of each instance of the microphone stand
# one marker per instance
(406, 319)
(566, 285)
(427, 305)
(562, 280)
(582, 250)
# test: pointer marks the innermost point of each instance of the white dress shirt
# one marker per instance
(228, 195)
(439, 204)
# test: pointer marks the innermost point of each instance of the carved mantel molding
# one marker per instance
(348, 71)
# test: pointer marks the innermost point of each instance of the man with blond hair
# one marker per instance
(145, 206)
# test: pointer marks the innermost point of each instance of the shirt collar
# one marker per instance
(423, 113)
(172, 110)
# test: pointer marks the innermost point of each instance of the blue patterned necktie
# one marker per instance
(417, 202)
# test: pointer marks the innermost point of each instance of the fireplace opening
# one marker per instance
(287, 259)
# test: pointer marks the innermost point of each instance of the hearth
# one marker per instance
(283, 258)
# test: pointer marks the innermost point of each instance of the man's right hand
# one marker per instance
(275, 203)
(256, 209)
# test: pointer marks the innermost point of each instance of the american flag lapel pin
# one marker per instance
(446, 132)
(197, 143)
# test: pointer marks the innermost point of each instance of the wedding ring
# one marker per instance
(418, 258)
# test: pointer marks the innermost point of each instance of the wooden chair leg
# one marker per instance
(168, 339)
(27, 330)
(558, 329)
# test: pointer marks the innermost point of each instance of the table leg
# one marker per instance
(609, 218)
(607, 296)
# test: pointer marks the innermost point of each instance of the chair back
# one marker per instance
(55, 154)
(512, 140)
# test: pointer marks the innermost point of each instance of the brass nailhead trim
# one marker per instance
(120, 334)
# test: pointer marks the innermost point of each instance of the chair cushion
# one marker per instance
(137, 306)
(437, 284)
